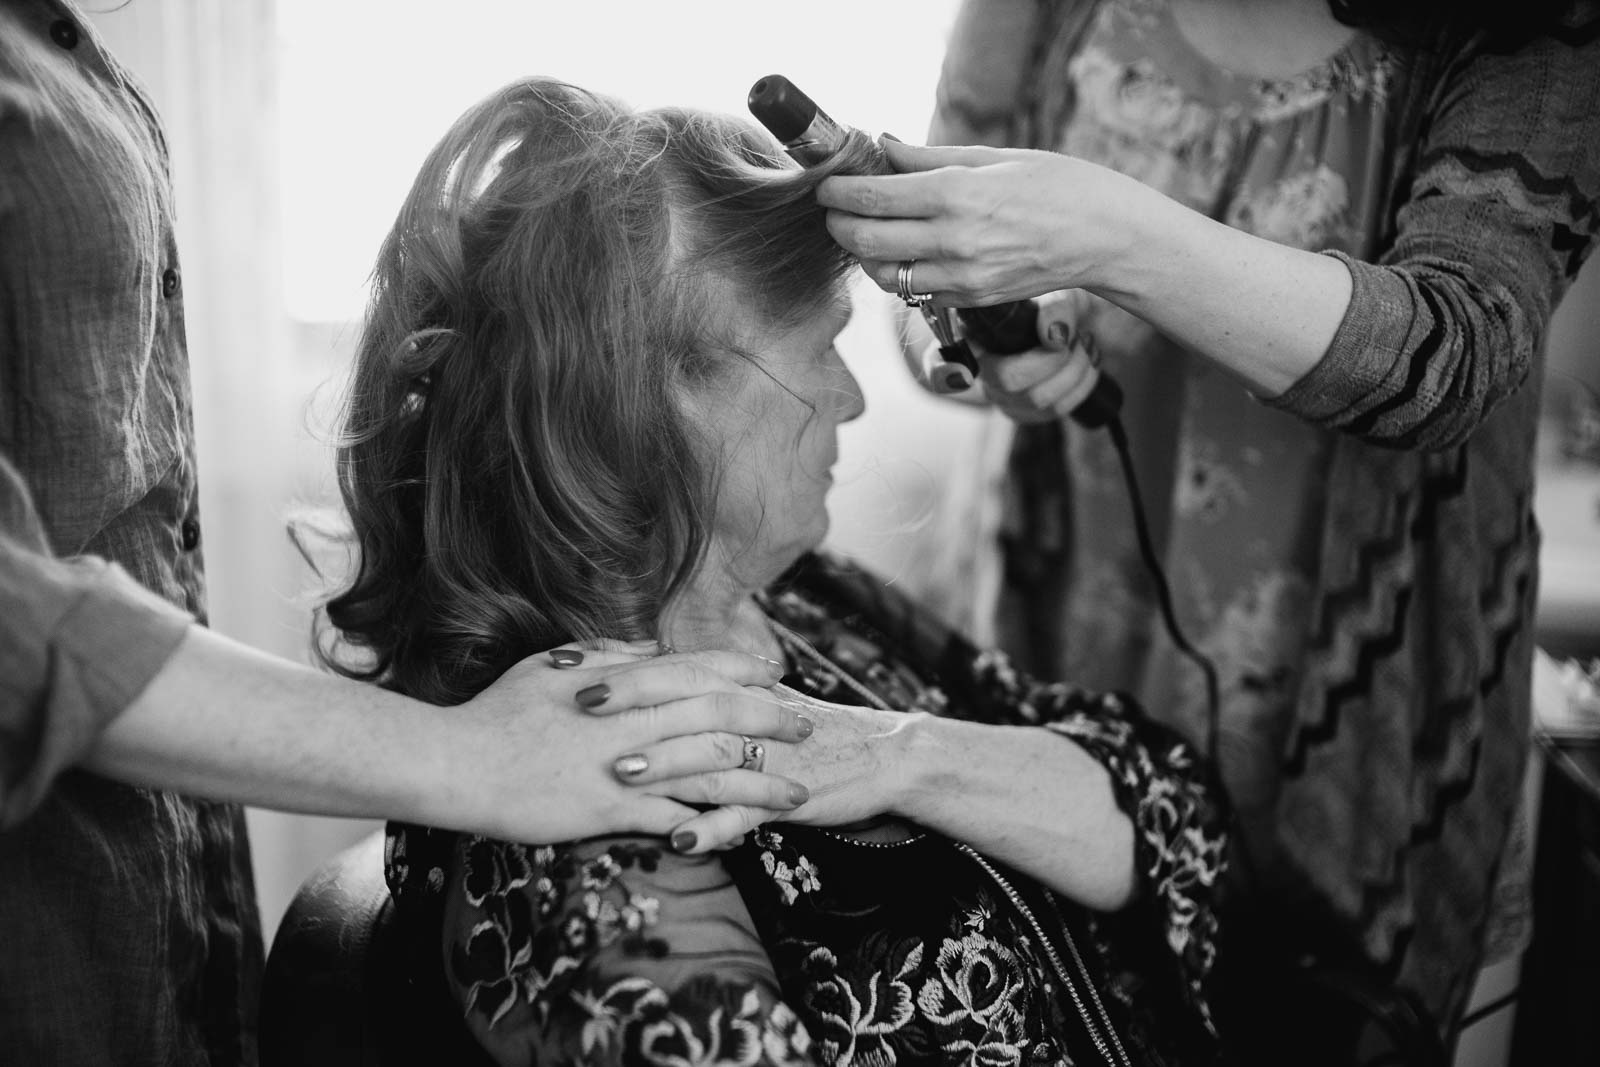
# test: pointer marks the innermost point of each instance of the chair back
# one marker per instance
(344, 986)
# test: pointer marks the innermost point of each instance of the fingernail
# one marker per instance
(683, 840)
(1058, 333)
(804, 726)
(774, 664)
(631, 765)
(798, 794)
(592, 696)
(566, 657)
(887, 136)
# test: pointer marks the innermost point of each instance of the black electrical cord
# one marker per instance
(1158, 577)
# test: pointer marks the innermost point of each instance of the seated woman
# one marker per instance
(598, 394)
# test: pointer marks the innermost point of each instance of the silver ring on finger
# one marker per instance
(755, 754)
(903, 289)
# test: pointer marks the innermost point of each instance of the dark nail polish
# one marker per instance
(593, 696)
(798, 794)
(804, 726)
(566, 657)
(683, 840)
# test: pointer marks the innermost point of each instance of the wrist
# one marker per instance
(923, 763)
(423, 784)
(1155, 236)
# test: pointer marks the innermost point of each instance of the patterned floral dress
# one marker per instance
(1294, 160)
(814, 946)
(1359, 554)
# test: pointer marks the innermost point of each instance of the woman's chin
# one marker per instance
(804, 545)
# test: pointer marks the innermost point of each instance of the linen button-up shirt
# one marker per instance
(128, 923)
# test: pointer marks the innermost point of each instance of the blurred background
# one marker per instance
(296, 127)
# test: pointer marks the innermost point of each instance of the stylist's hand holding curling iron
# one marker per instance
(1051, 381)
(989, 225)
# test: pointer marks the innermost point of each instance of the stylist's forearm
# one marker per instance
(1262, 310)
(1027, 797)
(223, 721)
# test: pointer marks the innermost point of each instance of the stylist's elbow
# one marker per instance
(1424, 358)
(1444, 417)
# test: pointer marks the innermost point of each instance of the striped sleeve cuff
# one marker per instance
(1362, 354)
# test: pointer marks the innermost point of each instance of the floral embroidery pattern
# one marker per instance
(529, 945)
(546, 914)
(634, 1021)
(975, 989)
(791, 872)
(964, 998)
(856, 1018)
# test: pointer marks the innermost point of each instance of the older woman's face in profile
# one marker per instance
(777, 430)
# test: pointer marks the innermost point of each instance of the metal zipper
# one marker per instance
(1101, 1044)
(1094, 994)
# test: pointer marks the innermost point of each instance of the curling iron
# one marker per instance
(810, 136)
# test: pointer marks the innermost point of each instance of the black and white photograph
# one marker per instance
(1010, 533)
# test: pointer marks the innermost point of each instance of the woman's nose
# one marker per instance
(850, 402)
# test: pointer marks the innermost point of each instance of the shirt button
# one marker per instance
(169, 283)
(191, 535)
(64, 33)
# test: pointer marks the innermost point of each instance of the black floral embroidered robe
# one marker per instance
(813, 946)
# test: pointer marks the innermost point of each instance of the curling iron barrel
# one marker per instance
(810, 136)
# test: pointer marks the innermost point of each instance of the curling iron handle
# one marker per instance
(1006, 329)
(944, 374)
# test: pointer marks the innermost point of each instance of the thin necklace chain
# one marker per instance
(795, 643)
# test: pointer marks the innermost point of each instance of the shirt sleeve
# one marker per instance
(610, 951)
(1499, 216)
(79, 641)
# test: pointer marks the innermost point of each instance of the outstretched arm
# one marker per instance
(1413, 350)
(225, 721)
(990, 225)
(98, 672)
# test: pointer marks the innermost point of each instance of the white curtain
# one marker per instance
(213, 69)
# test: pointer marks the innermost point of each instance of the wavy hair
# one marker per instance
(515, 462)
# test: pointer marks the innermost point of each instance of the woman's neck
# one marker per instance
(1262, 38)
(716, 610)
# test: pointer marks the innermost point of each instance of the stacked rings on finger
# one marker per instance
(903, 289)
(755, 754)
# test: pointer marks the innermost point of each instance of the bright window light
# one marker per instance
(367, 88)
